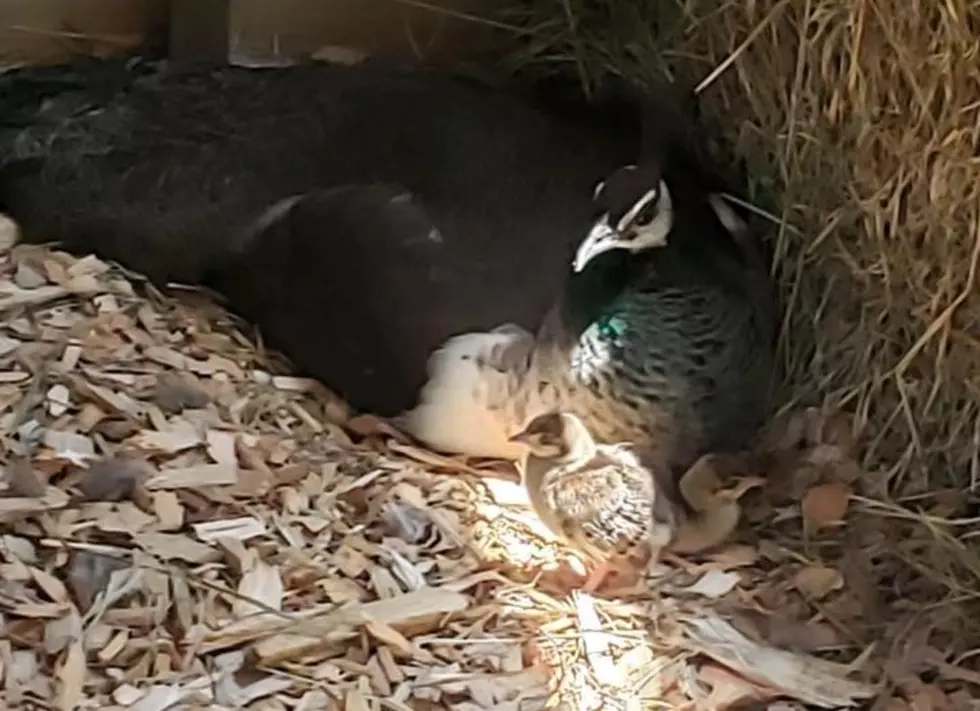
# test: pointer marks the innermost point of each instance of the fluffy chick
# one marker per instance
(600, 499)
(709, 515)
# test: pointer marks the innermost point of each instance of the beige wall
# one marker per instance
(48, 30)
(294, 27)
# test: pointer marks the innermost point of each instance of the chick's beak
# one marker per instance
(601, 238)
(518, 437)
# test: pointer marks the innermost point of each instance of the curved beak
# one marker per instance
(518, 437)
(601, 238)
(522, 435)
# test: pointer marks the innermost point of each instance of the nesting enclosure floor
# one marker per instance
(183, 528)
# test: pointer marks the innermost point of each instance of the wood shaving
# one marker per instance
(241, 542)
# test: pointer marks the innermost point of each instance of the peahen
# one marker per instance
(663, 337)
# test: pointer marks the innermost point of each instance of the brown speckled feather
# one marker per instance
(602, 507)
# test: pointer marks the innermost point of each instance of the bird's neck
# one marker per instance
(537, 467)
(589, 294)
(533, 474)
(535, 471)
(581, 449)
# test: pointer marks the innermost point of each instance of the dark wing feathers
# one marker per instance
(376, 262)
(202, 150)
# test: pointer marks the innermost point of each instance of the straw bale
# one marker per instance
(859, 122)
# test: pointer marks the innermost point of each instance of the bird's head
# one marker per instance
(635, 213)
(556, 435)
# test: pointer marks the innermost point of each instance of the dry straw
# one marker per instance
(860, 119)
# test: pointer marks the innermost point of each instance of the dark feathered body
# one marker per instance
(166, 168)
(160, 164)
(360, 216)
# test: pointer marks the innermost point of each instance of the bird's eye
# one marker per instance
(645, 216)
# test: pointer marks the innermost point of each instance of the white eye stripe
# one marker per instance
(627, 219)
(598, 189)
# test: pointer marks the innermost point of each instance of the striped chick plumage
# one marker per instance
(599, 499)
